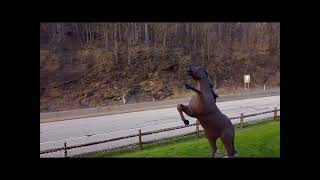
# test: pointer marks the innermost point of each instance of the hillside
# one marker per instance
(79, 74)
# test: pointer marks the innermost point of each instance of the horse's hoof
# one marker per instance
(236, 155)
(186, 122)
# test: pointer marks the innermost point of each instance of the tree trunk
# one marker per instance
(106, 44)
(91, 37)
(87, 33)
(244, 35)
(77, 31)
(134, 32)
(187, 42)
(115, 44)
(192, 31)
(155, 46)
(164, 38)
(176, 35)
(202, 55)
(270, 40)
(60, 31)
(208, 47)
(176, 29)
(129, 54)
(250, 43)
(119, 30)
(129, 45)
(194, 46)
(219, 30)
(155, 51)
(146, 33)
(136, 28)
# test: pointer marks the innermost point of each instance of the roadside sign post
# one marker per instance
(246, 81)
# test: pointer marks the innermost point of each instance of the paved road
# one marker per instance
(76, 131)
(127, 108)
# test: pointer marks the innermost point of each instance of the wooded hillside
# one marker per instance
(96, 64)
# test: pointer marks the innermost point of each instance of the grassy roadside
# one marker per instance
(258, 140)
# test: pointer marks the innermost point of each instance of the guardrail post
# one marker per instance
(140, 143)
(197, 129)
(241, 120)
(65, 149)
(275, 113)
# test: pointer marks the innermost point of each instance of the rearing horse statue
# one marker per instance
(203, 107)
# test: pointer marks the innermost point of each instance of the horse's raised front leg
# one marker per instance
(187, 86)
(182, 108)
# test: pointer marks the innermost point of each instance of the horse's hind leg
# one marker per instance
(212, 142)
(227, 139)
(182, 108)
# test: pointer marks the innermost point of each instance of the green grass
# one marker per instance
(259, 140)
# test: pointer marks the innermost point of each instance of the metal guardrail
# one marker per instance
(65, 148)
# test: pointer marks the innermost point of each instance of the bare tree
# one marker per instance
(212, 44)
(146, 32)
(129, 44)
(119, 31)
(155, 45)
(105, 30)
(90, 33)
(165, 34)
(187, 41)
(202, 55)
(194, 42)
(115, 43)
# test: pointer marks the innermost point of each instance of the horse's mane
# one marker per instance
(211, 86)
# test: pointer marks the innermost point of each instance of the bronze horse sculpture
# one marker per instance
(203, 107)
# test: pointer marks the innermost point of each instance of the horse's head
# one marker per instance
(197, 73)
